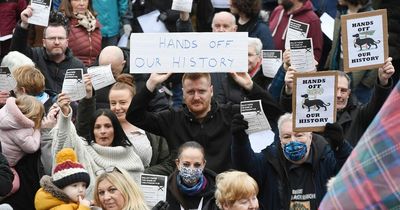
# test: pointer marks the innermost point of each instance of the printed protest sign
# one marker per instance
(182, 5)
(302, 55)
(296, 30)
(101, 76)
(40, 12)
(7, 81)
(188, 52)
(73, 84)
(271, 62)
(365, 40)
(314, 100)
(154, 188)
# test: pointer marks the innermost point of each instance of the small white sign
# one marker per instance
(73, 84)
(151, 24)
(302, 55)
(327, 25)
(154, 188)
(7, 81)
(188, 52)
(253, 113)
(101, 76)
(271, 62)
(296, 30)
(182, 5)
(40, 12)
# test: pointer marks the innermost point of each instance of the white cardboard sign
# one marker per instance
(188, 52)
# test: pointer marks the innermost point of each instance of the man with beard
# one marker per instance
(201, 119)
(54, 58)
(300, 10)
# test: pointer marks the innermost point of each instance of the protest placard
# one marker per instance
(314, 100)
(154, 188)
(365, 40)
(40, 12)
(101, 76)
(73, 84)
(271, 62)
(302, 55)
(182, 5)
(296, 30)
(188, 52)
(7, 81)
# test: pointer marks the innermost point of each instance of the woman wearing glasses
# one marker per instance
(84, 38)
(107, 144)
(192, 185)
(116, 190)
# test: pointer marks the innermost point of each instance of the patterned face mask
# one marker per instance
(295, 150)
(190, 176)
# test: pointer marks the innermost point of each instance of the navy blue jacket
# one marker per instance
(268, 168)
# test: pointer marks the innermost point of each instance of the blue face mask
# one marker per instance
(190, 176)
(295, 150)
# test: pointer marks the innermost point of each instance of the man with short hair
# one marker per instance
(292, 172)
(202, 119)
(54, 58)
(224, 22)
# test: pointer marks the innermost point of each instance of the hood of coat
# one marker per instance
(12, 118)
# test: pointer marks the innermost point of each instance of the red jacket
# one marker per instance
(9, 15)
(306, 15)
(84, 45)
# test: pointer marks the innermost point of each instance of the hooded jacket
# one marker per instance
(176, 199)
(50, 196)
(268, 168)
(279, 20)
(17, 132)
(53, 73)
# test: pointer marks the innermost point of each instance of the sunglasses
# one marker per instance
(109, 169)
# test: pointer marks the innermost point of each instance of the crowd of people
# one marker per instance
(57, 153)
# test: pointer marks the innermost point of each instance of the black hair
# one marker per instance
(120, 138)
(57, 19)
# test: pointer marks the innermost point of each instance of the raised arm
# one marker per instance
(20, 37)
(86, 107)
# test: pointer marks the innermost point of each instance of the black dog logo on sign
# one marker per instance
(316, 102)
(364, 41)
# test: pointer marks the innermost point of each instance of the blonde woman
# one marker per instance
(115, 189)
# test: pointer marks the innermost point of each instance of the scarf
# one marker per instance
(195, 189)
(86, 20)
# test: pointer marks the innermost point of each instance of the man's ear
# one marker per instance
(212, 90)
(43, 42)
(177, 162)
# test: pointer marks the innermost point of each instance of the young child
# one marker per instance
(66, 189)
(20, 121)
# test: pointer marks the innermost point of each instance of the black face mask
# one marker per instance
(287, 5)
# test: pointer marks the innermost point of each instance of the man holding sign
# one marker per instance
(352, 117)
(54, 58)
(202, 119)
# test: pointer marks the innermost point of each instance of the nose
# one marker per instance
(117, 106)
(254, 204)
(102, 130)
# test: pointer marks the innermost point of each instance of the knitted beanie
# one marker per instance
(68, 170)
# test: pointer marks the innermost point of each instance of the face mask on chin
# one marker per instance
(190, 176)
(295, 150)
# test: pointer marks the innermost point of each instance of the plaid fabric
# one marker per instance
(370, 178)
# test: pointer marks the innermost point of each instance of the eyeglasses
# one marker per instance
(109, 169)
(53, 39)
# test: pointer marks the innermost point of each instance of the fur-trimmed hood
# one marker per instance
(49, 195)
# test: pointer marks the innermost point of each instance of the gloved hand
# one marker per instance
(161, 205)
(239, 125)
(127, 29)
(334, 134)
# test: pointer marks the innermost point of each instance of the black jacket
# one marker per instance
(175, 198)
(6, 175)
(213, 133)
(268, 169)
(53, 72)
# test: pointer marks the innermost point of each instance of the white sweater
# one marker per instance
(94, 157)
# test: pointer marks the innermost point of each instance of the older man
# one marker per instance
(54, 58)
(294, 171)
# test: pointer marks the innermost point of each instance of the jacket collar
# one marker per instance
(47, 184)
(210, 114)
